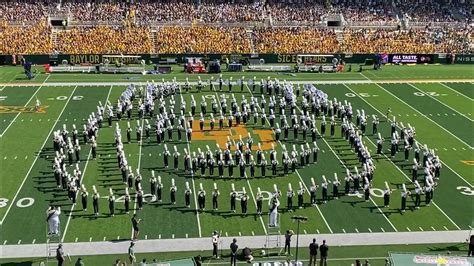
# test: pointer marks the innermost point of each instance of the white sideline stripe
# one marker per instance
(16, 116)
(470, 119)
(398, 168)
(82, 177)
(36, 158)
(457, 92)
(417, 140)
(449, 132)
(192, 173)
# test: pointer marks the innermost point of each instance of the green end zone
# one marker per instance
(407, 259)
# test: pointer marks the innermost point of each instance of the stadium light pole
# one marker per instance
(298, 219)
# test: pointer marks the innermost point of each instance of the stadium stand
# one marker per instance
(237, 27)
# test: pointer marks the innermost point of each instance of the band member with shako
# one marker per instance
(335, 187)
(140, 197)
(312, 192)
(77, 150)
(243, 202)
(333, 126)
(138, 131)
(348, 180)
(414, 170)
(187, 195)
(379, 144)
(263, 166)
(176, 155)
(147, 130)
(129, 132)
(274, 204)
(201, 198)
(259, 199)
(324, 186)
(173, 190)
(189, 133)
(405, 194)
(111, 201)
(153, 186)
(95, 201)
(428, 193)
(215, 197)
(315, 152)
(126, 201)
(166, 154)
(94, 148)
(289, 197)
(393, 126)
(230, 167)
(300, 192)
(386, 195)
(323, 126)
(366, 189)
(233, 198)
(84, 196)
(357, 178)
(418, 192)
(252, 167)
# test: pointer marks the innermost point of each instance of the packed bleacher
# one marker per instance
(185, 27)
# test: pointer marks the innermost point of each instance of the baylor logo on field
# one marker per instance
(21, 109)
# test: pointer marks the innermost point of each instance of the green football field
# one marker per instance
(441, 110)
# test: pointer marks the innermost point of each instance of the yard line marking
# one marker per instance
(4, 242)
(433, 228)
(365, 76)
(357, 230)
(90, 239)
(317, 231)
(421, 228)
(192, 174)
(383, 230)
(172, 236)
(146, 237)
(11, 122)
(19, 242)
(47, 241)
(75, 240)
(253, 233)
(159, 236)
(118, 237)
(226, 234)
(82, 178)
(240, 234)
(142, 139)
(104, 238)
(408, 229)
(301, 179)
(455, 91)
(363, 99)
(343, 230)
(445, 228)
(449, 132)
(470, 227)
(34, 240)
(36, 158)
(427, 94)
(186, 235)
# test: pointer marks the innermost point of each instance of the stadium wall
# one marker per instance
(268, 58)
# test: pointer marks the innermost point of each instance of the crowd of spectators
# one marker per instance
(295, 40)
(300, 12)
(370, 12)
(15, 40)
(412, 41)
(104, 40)
(435, 10)
(202, 39)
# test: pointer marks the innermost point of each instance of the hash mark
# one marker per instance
(454, 148)
(317, 230)
(253, 233)
(159, 236)
(305, 232)
(433, 228)
(343, 230)
(146, 237)
(90, 239)
(172, 236)
(408, 228)
(240, 234)
(383, 230)
(104, 238)
(357, 230)
(421, 228)
(186, 235)
(4, 242)
(118, 237)
(445, 228)
(370, 230)
(226, 234)
(75, 240)
(34, 240)
(19, 242)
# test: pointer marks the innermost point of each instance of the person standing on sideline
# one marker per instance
(471, 246)
(53, 220)
(233, 252)
(288, 235)
(131, 253)
(60, 255)
(135, 223)
(215, 243)
(323, 249)
(313, 252)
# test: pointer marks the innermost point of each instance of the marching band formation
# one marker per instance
(291, 113)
